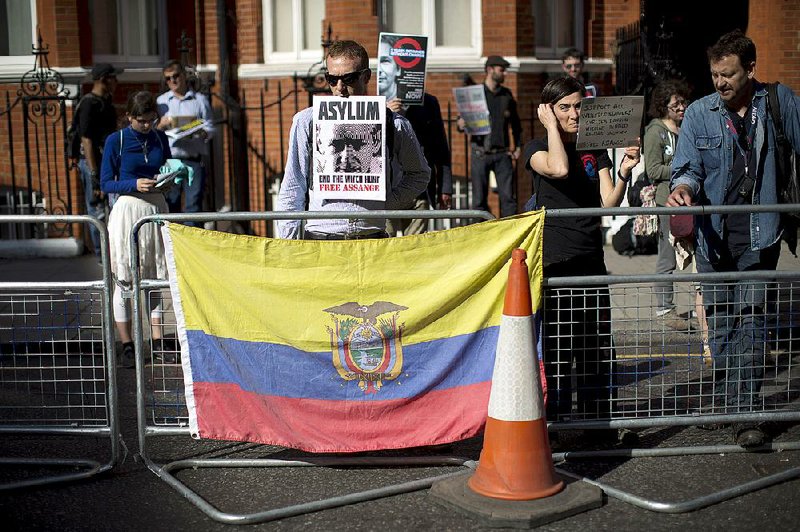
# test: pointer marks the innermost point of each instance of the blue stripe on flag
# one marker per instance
(272, 369)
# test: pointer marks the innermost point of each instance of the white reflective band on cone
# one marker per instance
(516, 392)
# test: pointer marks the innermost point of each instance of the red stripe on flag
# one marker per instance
(226, 412)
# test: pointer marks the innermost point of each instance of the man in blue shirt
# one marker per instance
(180, 106)
(407, 172)
(725, 156)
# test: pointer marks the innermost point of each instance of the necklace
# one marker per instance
(143, 145)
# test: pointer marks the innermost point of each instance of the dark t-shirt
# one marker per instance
(567, 238)
(737, 226)
(97, 119)
(502, 114)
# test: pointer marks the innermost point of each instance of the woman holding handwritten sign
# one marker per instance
(577, 320)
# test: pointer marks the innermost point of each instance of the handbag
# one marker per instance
(681, 225)
(646, 224)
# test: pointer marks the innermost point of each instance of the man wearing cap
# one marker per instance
(179, 106)
(96, 118)
(493, 151)
(407, 172)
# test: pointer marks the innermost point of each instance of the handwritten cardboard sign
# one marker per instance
(610, 122)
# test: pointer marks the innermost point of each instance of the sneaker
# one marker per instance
(660, 313)
(747, 435)
(128, 356)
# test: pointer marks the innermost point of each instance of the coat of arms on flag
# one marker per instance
(365, 346)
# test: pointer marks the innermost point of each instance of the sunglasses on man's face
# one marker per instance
(173, 77)
(348, 79)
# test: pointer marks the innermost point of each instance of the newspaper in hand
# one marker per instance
(186, 130)
(165, 180)
(471, 104)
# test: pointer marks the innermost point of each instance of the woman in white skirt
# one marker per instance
(131, 158)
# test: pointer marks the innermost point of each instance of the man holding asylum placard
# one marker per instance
(381, 167)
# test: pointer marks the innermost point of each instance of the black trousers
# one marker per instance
(577, 331)
(482, 163)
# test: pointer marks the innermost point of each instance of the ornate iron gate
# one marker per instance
(41, 182)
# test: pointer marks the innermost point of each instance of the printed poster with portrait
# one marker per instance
(348, 148)
(401, 67)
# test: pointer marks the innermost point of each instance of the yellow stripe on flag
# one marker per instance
(270, 290)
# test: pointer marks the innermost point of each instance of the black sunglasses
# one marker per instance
(348, 79)
(173, 77)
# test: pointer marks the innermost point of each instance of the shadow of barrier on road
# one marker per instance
(57, 370)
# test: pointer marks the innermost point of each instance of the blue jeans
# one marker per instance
(193, 199)
(95, 207)
(735, 311)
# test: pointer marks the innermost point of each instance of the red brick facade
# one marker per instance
(256, 84)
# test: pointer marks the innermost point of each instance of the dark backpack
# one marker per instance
(625, 242)
(787, 161)
(73, 140)
(635, 190)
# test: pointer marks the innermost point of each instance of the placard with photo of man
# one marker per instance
(348, 148)
(401, 67)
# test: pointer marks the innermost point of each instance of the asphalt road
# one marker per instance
(133, 498)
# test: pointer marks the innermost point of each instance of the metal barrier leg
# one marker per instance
(165, 473)
(691, 504)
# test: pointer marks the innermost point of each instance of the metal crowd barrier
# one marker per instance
(160, 394)
(660, 377)
(58, 369)
(657, 376)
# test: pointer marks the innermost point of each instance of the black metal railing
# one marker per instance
(40, 183)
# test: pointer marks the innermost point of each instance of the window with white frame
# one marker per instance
(17, 31)
(128, 32)
(558, 26)
(293, 30)
(453, 27)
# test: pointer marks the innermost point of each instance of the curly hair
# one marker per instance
(662, 93)
(350, 50)
(561, 88)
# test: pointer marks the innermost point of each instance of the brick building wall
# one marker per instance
(507, 29)
(774, 25)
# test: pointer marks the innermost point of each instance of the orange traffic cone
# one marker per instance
(516, 462)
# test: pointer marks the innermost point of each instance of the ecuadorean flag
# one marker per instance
(343, 346)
